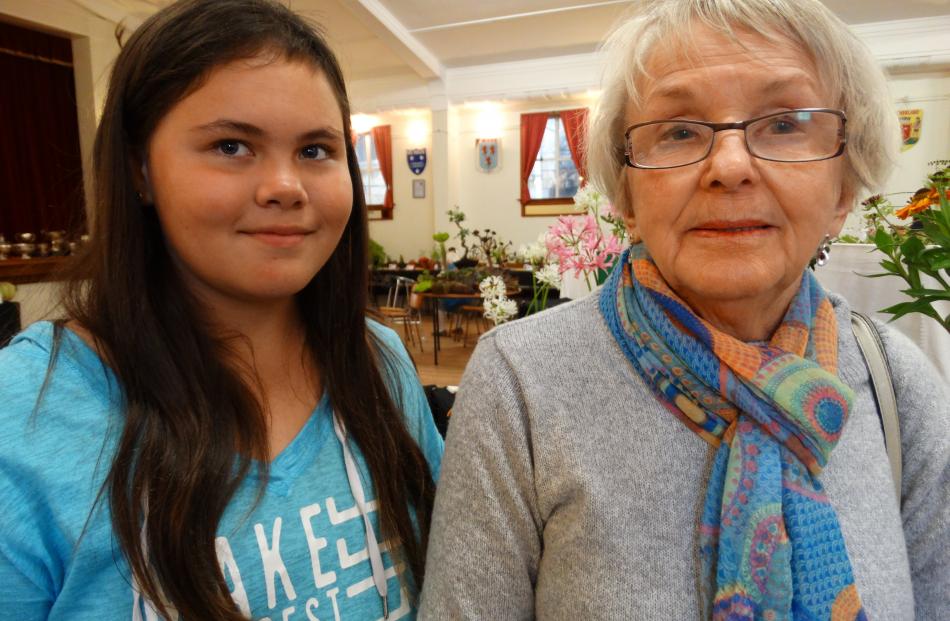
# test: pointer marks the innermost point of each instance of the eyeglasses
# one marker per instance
(802, 135)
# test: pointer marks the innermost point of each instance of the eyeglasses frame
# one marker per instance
(718, 127)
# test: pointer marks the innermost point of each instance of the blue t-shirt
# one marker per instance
(300, 554)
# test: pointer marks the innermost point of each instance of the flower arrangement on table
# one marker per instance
(918, 246)
(545, 273)
(581, 244)
(498, 307)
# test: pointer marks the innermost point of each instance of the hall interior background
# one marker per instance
(443, 74)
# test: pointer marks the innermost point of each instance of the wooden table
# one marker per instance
(433, 300)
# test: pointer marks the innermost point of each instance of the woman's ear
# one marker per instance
(629, 217)
(843, 207)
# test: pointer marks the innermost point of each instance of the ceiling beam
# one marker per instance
(384, 25)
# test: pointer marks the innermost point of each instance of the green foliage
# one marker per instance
(457, 217)
(440, 238)
(919, 248)
(377, 255)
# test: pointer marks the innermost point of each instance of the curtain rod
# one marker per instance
(42, 59)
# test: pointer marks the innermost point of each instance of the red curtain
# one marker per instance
(575, 130)
(382, 140)
(532, 132)
(40, 162)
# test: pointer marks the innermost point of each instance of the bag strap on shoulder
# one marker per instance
(869, 340)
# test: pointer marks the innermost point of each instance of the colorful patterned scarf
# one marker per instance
(770, 542)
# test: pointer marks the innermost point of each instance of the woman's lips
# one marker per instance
(739, 228)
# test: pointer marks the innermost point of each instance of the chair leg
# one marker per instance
(419, 336)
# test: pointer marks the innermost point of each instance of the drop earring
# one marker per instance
(824, 252)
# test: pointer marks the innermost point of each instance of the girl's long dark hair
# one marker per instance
(192, 425)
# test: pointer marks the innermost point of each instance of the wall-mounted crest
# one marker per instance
(416, 159)
(488, 154)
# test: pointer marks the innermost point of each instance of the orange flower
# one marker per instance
(920, 201)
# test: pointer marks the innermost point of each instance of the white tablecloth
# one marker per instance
(842, 275)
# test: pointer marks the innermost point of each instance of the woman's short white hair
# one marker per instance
(845, 66)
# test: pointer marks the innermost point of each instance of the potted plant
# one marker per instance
(918, 249)
(456, 217)
(440, 252)
(377, 255)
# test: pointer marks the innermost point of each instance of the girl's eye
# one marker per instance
(314, 152)
(232, 148)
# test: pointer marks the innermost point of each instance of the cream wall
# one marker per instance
(38, 301)
(930, 93)
(491, 200)
(409, 233)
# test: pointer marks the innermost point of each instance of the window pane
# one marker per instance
(371, 151)
(361, 150)
(548, 144)
(563, 149)
(568, 179)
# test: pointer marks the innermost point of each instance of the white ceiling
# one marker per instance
(388, 38)
(399, 44)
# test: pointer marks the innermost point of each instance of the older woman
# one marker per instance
(699, 438)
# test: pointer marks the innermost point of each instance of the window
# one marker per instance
(552, 161)
(374, 185)
(554, 174)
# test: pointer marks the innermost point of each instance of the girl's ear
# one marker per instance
(143, 186)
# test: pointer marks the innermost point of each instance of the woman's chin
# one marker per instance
(730, 278)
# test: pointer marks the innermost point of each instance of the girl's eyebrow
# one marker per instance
(248, 129)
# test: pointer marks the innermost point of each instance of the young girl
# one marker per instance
(216, 431)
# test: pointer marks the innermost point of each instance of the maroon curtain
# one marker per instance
(382, 140)
(40, 161)
(532, 133)
(575, 130)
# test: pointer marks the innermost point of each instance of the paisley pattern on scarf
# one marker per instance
(770, 542)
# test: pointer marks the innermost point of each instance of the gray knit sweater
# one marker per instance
(568, 492)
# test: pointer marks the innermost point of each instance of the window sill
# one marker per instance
(25, 271)
(379, 212)
(548, 207)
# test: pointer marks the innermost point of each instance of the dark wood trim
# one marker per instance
(25, 271)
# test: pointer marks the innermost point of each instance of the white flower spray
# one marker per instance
(497, 306)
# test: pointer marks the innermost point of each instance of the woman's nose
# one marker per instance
(730, 164)
(281, 186)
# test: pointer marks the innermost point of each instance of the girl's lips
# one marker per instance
(278, 240)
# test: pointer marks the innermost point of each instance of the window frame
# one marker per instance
(375, 211)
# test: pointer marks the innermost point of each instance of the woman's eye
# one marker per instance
(314, 152)
(679, 134)
(783, 126)
(232, 148)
